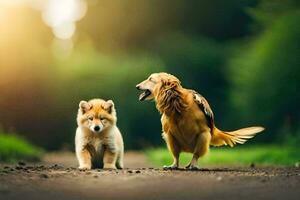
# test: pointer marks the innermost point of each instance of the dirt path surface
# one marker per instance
(57, 178)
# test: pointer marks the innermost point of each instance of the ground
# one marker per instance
(57, 177)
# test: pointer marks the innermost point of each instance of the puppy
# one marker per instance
(98, 141)
(187, 119)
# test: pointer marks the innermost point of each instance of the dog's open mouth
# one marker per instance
(144, 95)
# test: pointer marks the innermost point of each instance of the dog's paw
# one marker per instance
(84, 167)
(170, 167)
(109, 166)
(192, 167)
(120, 167)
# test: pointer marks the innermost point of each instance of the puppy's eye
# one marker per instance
(91, 118)
(102, 118)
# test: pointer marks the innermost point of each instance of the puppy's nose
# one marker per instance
(137, 87)
(97, 128)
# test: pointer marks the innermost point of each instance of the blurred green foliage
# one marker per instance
(243, 56)
(260, 155)
(266, 78)
(13, 148)
(268, 12)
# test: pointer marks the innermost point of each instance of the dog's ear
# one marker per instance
(171, 81)
(84, 106)
(109, 106)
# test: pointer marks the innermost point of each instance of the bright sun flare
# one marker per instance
(60, 15)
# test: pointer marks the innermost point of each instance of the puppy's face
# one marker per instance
(96, 115)
(153, 83)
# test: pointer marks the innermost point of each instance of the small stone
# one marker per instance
(137, 171)
(44, 176)
(18, 168)
(130, 171)
(297, 164)
(219, 178)
(21, 163)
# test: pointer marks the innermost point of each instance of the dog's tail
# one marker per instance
(232, 138)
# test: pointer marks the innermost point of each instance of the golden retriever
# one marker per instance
(187, 119)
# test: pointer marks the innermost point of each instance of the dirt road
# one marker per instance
(57, 178)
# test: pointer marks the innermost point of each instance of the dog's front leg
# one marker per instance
(174, 149)
(109, 159)
(84, 158)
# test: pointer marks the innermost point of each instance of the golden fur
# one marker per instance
(187, 120)
(98, 141)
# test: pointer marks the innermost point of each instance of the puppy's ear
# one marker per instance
(109, 106)
(84, 106)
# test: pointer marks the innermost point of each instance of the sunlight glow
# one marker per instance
(64, 31)
(10, 2)
(61, 15)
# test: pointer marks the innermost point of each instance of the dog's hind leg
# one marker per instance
(174, 148)
(201, 148)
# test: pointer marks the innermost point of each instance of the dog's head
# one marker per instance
(152, 85)
(96, 114)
